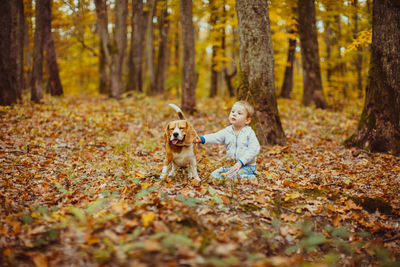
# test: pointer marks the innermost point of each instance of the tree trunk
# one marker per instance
(379, 125)
(328, 44)
(312, 84)
(54, 84)
(135, 80)
(105, 57)
(228, 77)
(213, 33)
(228, 80)
(150, 48)
(104, 80)
(223, 49)
(257, 69)
(8, 69)
(17, 49)
(358, 59)
(37, 69)
(214, 73)
(118, 49)
(162, 51)
(369, 11)
(28, 52)
(188, 67)
(11, 56)
(341, 66)
(177, 59)
(287, 86)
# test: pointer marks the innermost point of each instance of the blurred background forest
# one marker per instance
(344, 36)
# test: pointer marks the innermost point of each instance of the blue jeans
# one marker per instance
(245, 172)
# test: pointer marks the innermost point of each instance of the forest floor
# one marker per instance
(79, 186)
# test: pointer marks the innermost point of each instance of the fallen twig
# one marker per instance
(391, 239)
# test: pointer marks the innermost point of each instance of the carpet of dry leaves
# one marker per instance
(79, 186)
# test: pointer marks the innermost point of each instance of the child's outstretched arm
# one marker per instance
(214, 138)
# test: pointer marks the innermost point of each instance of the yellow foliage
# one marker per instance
(364, 39)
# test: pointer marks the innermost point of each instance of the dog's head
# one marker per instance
(179, 133)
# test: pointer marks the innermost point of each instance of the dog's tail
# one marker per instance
(179, 111)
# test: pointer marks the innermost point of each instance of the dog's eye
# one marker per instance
(181, 128)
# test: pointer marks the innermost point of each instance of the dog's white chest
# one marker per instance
(185, 157)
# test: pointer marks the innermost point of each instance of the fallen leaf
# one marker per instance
(147, 218)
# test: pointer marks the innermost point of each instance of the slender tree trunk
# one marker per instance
(177, 59)
(11, 47)
(257, 69)
(228, 77)
(358, 59)
(150, 48)
(223, 49)
(341, 66)
(17, 50)
(312, 84)
(369, 11)
(104, 80)
(135, 80)
(118, 49)
(162, 51)
(228, 80)
(328, 43)
(287, 86)
(188, 67)
(105, 57)
(37, 69)
(8, 72)
(379, 125)
(214, 73)
(28, 53)
(54, 83)
(213, 36)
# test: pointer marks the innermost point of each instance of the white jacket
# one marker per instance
(242, 147)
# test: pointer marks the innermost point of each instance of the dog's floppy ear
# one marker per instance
(190, 135)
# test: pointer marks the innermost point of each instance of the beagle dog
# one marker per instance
(180, 150)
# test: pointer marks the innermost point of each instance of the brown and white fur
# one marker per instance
(179, 147)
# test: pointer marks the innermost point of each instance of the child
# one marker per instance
(240, 142)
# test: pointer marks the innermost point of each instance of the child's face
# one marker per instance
(238, 116)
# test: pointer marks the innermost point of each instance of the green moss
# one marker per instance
(242, 84)
(348, 142)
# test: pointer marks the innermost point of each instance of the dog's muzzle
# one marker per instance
(176, 136)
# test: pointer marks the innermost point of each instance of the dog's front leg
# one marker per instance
(165, 169)
(173, 168)
(193, 170)
(164, 172)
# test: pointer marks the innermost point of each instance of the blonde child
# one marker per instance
(240, 142)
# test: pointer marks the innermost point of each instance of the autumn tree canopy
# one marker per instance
(343, 33)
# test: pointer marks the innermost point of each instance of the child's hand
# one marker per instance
(197, 140)
(235, 168)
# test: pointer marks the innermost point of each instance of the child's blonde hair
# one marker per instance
(249, 108)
